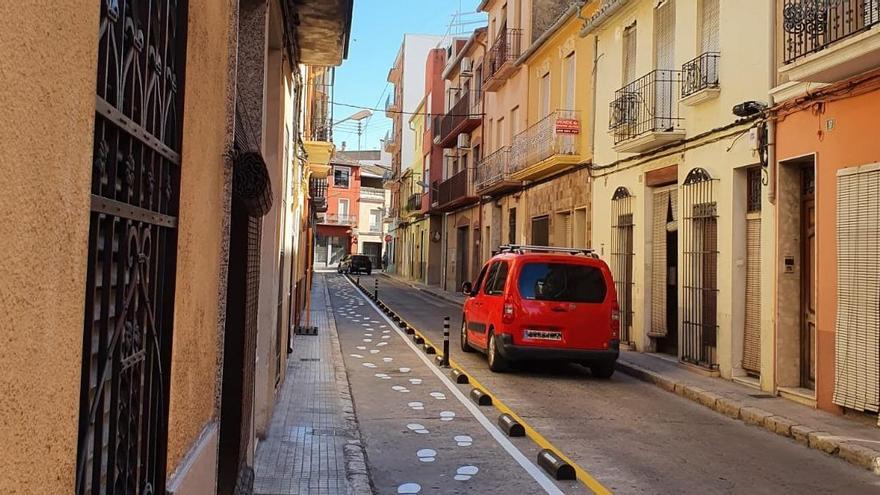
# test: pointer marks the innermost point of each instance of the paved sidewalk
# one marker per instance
(853, 438)
(313, 444)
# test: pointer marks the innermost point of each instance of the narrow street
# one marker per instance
(630, 436)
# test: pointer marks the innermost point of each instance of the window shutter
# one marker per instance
(752, 330)
(711, 25)
(857, 364)
(664, 35)
(629, 54)
(658, 264)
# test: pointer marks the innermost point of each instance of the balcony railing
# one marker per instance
(810, 26)
(501, 57)
(700, 74)
(464, 116)
(318, 193)
(556, 134)
(372, 194)
(340, 219)
(321, 129)
(493, 169)
(414, 203)
(648, 104)
(452, 190)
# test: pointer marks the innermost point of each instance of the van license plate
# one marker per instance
(543, 335)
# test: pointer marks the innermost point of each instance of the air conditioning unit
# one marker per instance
(467, 66)
(464, 141)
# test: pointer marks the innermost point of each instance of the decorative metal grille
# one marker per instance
(753, 198)
(505, 49)
(622, 257)
(699, 74)
(129, 302)
(810, 26)
(647, 104)
(700, 270)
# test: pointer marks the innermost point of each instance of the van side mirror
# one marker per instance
(466, 288)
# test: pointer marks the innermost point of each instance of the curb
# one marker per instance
(356, 473)
(855, 454)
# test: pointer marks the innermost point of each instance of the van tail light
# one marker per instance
(507, 314)
(615, 321)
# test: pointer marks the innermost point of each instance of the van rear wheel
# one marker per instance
(602, 370)
(497, 362)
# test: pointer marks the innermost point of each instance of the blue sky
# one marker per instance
(378, 27)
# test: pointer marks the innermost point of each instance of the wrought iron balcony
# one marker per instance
(810, 26)
(372, 194)
(555, 135)
(462, 118)
(493, 173)
(318, 194)
(454, 192)
(321, 128)
(644, 113)
(700, 74)
(499, 62)
(339, 219)
(414, 203)
(392, 142)
(392, 105)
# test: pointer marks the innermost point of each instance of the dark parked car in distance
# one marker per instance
(355, 263)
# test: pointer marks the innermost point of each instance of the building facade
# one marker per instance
(824, 184)
(151, 256)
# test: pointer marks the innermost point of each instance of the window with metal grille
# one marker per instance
(753, 182)
(857, 336)
(541, 231)
(622, 257)
(700, 270)
(511, 226)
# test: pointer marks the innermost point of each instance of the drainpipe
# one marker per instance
(771, 123)
(593, 104)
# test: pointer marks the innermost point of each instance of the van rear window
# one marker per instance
(562, 282)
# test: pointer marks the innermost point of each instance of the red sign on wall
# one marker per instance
(387, 237)
(568, 126)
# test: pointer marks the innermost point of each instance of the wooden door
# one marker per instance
(808, 283)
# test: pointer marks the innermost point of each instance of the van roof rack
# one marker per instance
(522, 249)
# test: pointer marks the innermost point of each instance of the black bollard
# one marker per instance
(359, 281)
(376, 289)
(445, 362)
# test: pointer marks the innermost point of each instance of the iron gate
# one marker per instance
(129, 303)
(622, 257)
(700, 270)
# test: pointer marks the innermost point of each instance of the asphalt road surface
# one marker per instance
(631, 436)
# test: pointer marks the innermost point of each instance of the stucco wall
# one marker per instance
(202, 231)
(48, 96)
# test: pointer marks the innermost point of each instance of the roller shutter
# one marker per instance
(658, 264)
(857, 350)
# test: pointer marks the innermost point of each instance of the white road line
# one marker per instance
(534, 471)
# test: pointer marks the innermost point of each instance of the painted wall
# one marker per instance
(846, 145)
(44, 223)
(204, 206)
(415, 51)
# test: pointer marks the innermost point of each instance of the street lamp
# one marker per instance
(357, 117)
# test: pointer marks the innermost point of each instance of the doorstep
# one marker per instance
(803, 396)
(854, 438)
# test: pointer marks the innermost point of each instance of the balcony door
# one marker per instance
(343, 210)
(665, 92)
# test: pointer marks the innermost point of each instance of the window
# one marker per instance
(710, 21)
(499, 129)
(514, 123)
(375, 221)
(341, 176)
(495, 285)
(480, 278)
(544, 95)
(629, 54)
(490, 279)
(541, 231)
(562, 282)
(569, 69)
(511, 226)
(343, 209)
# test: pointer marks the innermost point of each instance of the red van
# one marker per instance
(543, 303)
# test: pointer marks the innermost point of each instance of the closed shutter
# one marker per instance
(857, 350)
(567, 230)
(711, 23)
(752, 330)
(664, 35)
(658, 264)
(629, 54)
